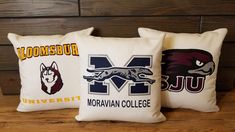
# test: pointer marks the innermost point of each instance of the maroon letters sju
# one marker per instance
(177, 84)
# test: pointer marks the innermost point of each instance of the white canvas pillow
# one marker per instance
(189, 68)
(120, 79)
(49, 70)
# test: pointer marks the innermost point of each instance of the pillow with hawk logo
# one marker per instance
(120, 79)
(48, 67)
(189, 68)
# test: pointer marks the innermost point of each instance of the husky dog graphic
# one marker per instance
(50, 78)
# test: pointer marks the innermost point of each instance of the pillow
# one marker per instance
(189, 68)
(121, 79)
(48, 67)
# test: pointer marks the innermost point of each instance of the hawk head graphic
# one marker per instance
(187, 62)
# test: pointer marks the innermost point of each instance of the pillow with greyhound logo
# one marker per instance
(121, 79)
(189, 68)
(48, 67)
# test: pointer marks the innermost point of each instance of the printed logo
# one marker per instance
(186, 68)
(135, 70)
(50, 78)
(42, 51)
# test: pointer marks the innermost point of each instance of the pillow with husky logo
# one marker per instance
(48, 67)
(189, 68)
(120, 79)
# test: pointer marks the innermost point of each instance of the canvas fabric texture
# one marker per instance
(189, 68)
(121, 79)
(49, 69)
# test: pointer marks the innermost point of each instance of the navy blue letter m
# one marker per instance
(135, 71)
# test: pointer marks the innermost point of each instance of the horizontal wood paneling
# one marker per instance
(8, 58)
(225, 78)
(214, 22)
(29, 8)
(106, 26)
(10, 80)
(156, 7)
(227, 57)
(9, 61)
